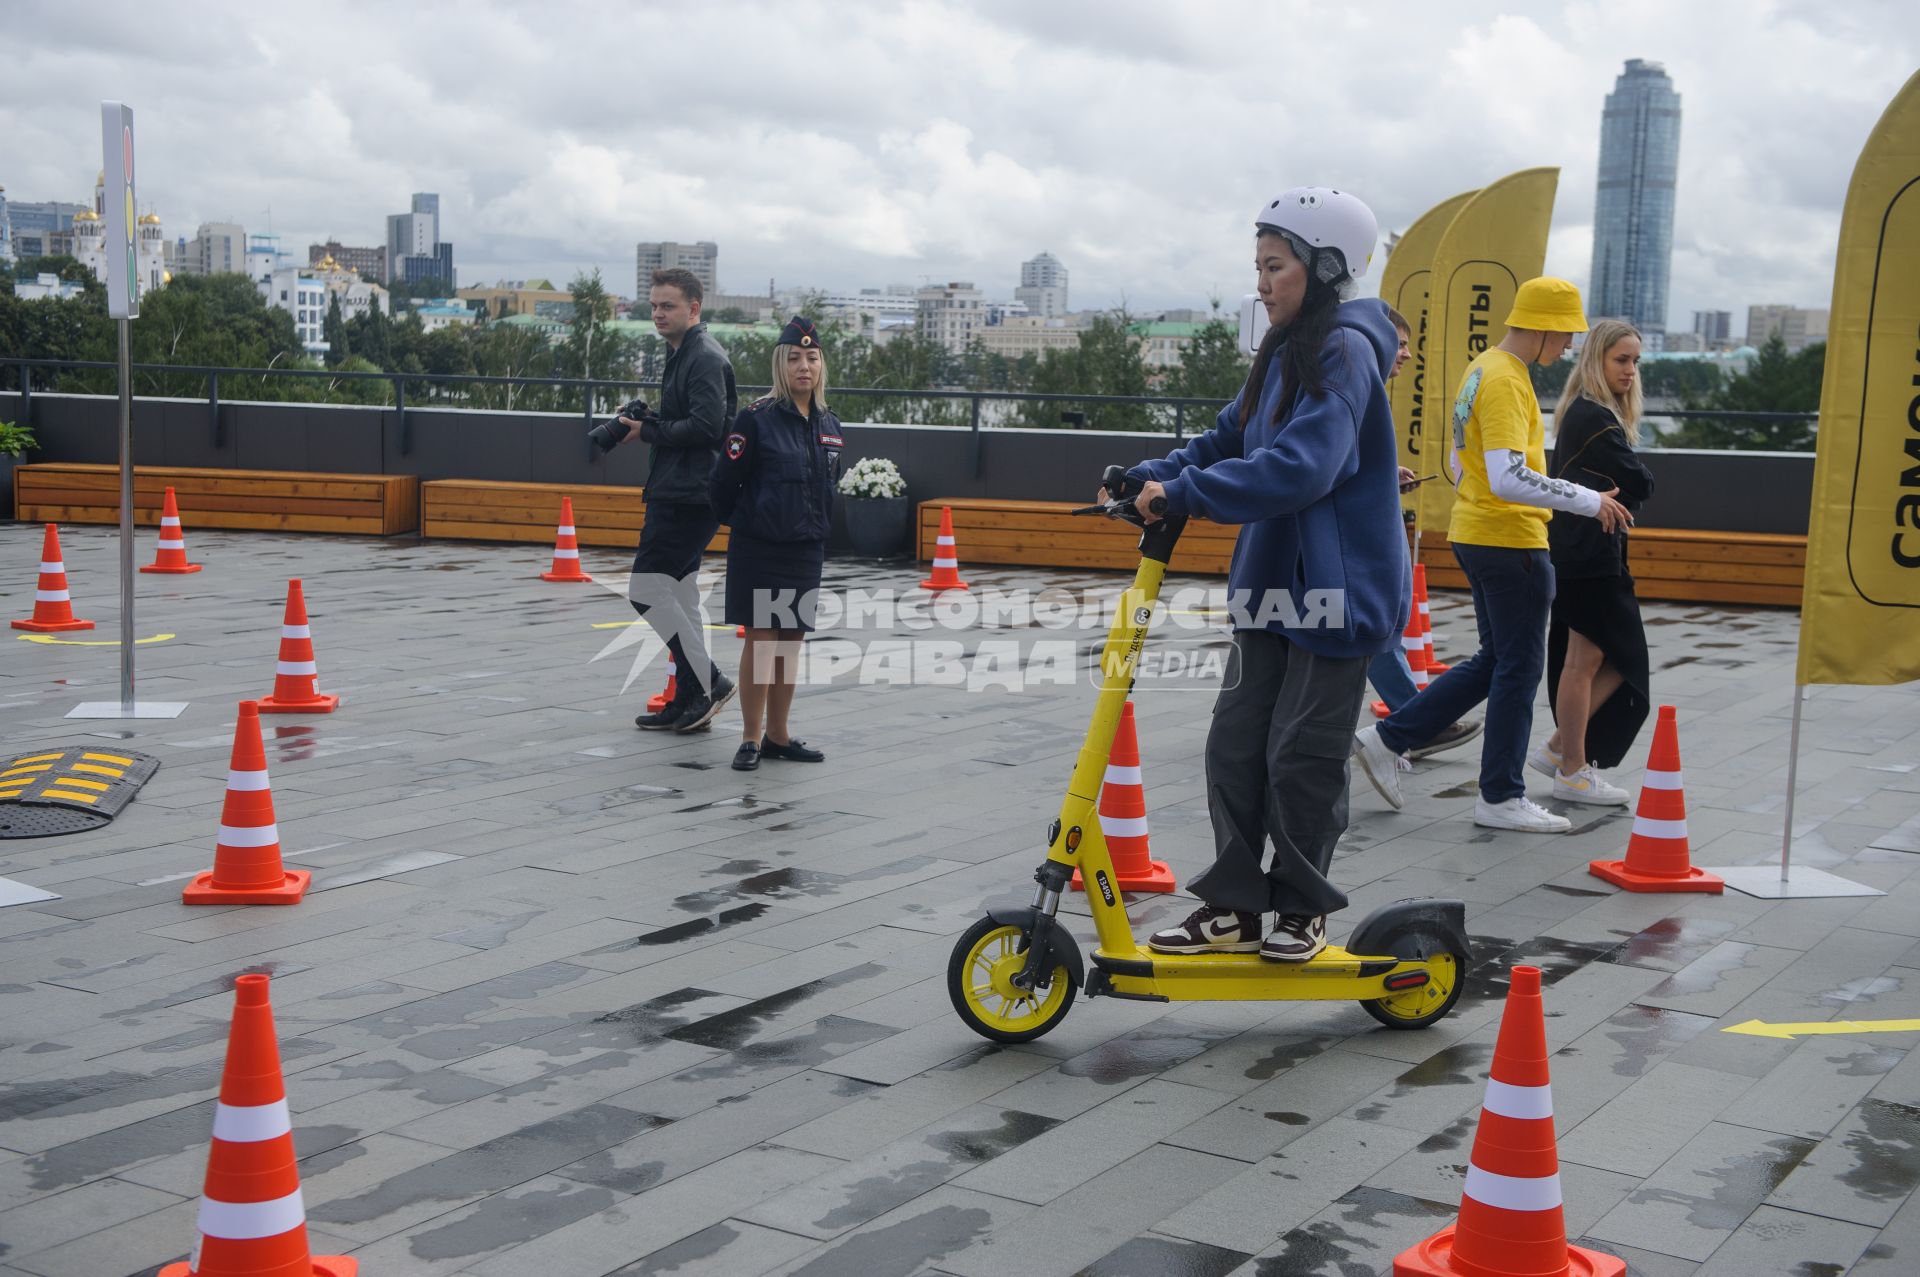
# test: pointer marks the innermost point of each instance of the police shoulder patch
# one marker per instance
(759, 403)
(736, 444)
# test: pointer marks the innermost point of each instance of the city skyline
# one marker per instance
(908, 183)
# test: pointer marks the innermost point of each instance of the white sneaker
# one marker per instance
(1381, 765)
(1522, 814)
(1544, 760)
(1587, 786)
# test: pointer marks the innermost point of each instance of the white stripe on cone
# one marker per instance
(1525, 1102)
(1647, 827)
(242, 836)
(295, 667)
(943, 541)
(250, 1124)
(1118, 775)
(250, 1221)
(1413, 642)
(47, 568)
(52, 596)
(169, 521)
(946, 563)
(296, 631)
(246, 780)
(1660, 780)
(560, 553)
(1511, 1192)
(566, 530)
(1124, 826)
(175, 544)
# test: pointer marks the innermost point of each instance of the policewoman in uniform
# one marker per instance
(773, 487)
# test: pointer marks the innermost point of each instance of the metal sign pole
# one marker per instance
(122, 279)
(126, 518)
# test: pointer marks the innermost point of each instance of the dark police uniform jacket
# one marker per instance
(774, 479)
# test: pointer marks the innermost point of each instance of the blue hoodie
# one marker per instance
(1317, 495)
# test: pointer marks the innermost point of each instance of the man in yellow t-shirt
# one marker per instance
(1499, 535)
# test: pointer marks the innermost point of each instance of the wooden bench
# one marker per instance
(1043, 534)
(1681, 566)
(256, 500)
(1667, 564)
(486, 510)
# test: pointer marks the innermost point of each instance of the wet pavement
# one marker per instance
(569, 997)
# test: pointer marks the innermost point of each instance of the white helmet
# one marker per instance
(1326, 219)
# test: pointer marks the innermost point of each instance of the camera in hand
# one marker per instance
(610, 434)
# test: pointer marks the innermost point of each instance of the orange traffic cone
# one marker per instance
(252, 1220)
(566, 549)
(946, 562)
(296, 678)
(660, 700)
(1434, 669)
(1123, 816)
(246, 859)
(172, 554)
(1511, 1223)
(52, 603)
(1414, 645)
(1658, 854)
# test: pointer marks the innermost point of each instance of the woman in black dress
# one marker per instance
(1597, 678)
(773, 487)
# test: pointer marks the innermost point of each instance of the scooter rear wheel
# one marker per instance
(979, 981)
(1417, 1008)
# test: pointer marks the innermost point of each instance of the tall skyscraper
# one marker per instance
(1043, 286)
(1633, 206)
(702, 258)
(415, 250)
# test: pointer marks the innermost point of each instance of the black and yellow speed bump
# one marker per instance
(65, 791)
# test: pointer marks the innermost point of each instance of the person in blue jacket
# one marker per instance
(1306, 460)
(773, 487)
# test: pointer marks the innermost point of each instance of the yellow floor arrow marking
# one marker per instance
(1762, 1029)
(621, 625)
(48, 638)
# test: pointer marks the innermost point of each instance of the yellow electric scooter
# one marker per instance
(1014, 973)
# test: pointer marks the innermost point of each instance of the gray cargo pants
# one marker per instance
(1277, 768)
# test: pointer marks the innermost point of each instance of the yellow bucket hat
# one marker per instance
(1548, 305)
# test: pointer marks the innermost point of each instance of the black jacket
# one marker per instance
(774, 480)
(696, 401)
(1592, 450)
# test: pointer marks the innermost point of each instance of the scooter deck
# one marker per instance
(1333, 974)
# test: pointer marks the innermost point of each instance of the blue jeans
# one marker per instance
(1512, 596)
(1392, 677)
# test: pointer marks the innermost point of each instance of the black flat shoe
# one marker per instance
(794, 751)
(747, 757)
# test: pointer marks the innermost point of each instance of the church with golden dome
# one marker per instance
(90, 242)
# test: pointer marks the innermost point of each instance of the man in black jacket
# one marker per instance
(697, 401)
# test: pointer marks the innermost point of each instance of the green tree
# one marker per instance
(335, 333)
(368, 336)
(591, 349)
(1211, 367)
(1106, 362)
(509, 350)
(1776, 381)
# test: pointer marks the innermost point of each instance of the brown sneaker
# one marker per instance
(1295, 938)
(1450, 737)
(1210, 930)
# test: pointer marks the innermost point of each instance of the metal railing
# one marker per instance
(1163, 414)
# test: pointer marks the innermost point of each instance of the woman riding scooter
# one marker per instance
(1306, 460)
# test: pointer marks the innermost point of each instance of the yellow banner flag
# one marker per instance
(1860, 604)
(1496, 240)
(1403, 286)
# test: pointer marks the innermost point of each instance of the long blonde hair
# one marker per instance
(783, 389)
(1589, 378)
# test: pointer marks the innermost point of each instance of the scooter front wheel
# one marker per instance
(1419, 1007)
(980, 982)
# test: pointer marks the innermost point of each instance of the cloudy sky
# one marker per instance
(852, 144)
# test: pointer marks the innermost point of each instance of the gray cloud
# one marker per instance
(868, 143)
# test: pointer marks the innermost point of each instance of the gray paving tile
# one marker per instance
(1785, 1241)
(1703, 1194)
(1864, 1172)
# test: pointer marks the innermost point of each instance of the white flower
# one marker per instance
(873, 479)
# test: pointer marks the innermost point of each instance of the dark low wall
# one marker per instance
(1724, 491)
